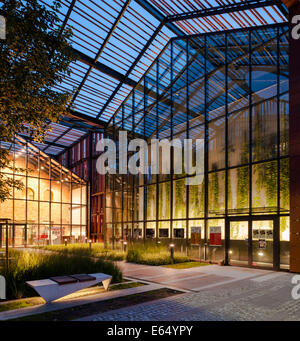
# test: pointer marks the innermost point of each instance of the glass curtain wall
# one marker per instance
(52, 205)
(229, 89)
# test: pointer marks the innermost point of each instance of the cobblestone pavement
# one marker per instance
(244, 295)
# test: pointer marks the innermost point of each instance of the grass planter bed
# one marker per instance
(33, 301)
(149, 253)
(101, 307)
(186, 265)
(82, 249)
(153, 254)
(28, 266)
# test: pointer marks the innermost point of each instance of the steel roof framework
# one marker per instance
(117, 42)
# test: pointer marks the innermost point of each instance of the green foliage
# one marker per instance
(284, 183)
(179, 199)
(186, 265)
(153, 254)
(151, 199)
(270, 179)
(20, 304)
(214, 190)
(164, 200)
(6, 182)
(97, 250)
(243, 181)
(27, 266)
(34, 58)
(196, 200)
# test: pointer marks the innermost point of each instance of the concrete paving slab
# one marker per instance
(69, 303)
(237, 299)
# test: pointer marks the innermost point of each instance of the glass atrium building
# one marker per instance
(223, 72)
(230, 89)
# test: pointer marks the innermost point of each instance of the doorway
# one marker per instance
(17, 235)
(253, 241)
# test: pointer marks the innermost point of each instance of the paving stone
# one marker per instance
(243, 299)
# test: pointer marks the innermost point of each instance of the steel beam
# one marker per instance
(223, 9)
(85, 118)
(70, 9)
(102, 47)
(28, 139)
(82, 57)
(160, 17)
(58, 138)
(140, 55)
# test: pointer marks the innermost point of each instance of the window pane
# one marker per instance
(264, 185)
(179, 199)
(151, 202)
(238, 190)
(196, 200)
(164, 200)
(216, 193)
(238, 138)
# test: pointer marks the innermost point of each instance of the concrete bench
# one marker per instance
(56, 287)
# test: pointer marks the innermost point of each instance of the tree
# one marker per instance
(34, 59)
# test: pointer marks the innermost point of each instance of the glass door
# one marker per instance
(238, 245)
(262, 243)
(18, 235)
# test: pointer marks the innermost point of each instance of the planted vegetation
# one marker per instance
(82, 249)
(153, 254)
(27, 266)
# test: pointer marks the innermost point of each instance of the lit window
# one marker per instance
(30, 193)
(48, 195)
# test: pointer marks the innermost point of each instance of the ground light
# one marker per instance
(172, 252)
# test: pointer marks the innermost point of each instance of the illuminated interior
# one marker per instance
(52, 205)
(235, 98)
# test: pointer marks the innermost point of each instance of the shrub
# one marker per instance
(27, 266)
(153, 254)
(83, 249)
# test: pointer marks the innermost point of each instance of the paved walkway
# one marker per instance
(72, 302)
(212, 293)
(193, 279)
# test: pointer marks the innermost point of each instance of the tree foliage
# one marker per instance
(34, 58)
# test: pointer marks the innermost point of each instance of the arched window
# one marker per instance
(30, 193)
(48, 195)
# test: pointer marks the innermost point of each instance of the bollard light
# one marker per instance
(90, 245)
(85, 239)
(66, 242)
(125, 246)
(172, 252)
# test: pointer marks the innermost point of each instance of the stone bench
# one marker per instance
(56, 287)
